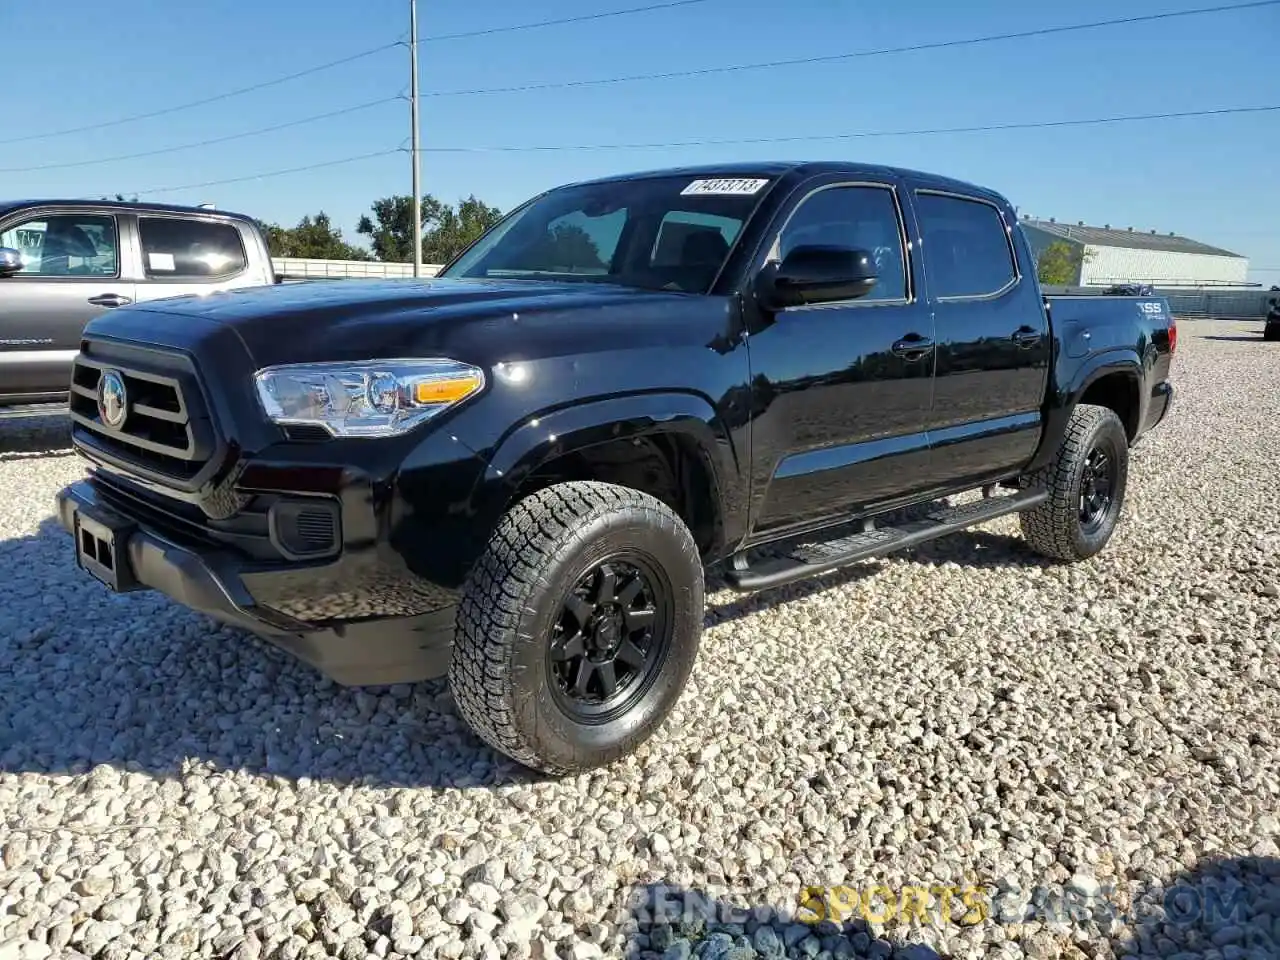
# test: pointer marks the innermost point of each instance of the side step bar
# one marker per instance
(811, 559)
(34, 410)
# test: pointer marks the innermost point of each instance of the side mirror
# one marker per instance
(10, 261)
(817, 274)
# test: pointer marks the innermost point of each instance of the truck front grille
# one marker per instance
(161, 423)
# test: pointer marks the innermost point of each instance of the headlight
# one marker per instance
(374, 398)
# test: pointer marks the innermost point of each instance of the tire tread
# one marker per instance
(502, 586)
(1049, 528)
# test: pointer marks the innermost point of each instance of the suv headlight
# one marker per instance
(374, 398)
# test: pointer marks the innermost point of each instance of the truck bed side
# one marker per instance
(1120, 347)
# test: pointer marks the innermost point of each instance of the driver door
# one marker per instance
(844, 388)
(71, 273)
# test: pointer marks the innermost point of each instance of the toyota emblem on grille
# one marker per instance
(113, 402)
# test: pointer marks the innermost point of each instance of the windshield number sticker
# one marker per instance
(730, 187)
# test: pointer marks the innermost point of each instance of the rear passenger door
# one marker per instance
(183, 255)
(993, 345)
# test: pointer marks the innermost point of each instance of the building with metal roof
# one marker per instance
(1106, 255)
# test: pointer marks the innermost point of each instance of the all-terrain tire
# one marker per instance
(1056, 528)
(502, 675)
(1271, 331)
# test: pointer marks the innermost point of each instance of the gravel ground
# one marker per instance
(966, 714)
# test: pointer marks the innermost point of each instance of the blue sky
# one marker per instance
(75, 63)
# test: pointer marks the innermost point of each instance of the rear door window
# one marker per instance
(175, 249)
(966, 246)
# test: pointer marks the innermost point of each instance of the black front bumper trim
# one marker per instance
(375, 651)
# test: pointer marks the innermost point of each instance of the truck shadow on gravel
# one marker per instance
(135, 681)
(1221, 908)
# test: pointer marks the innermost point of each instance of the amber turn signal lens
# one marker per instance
(444, 391)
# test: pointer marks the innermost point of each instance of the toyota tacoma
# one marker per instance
(518, 474)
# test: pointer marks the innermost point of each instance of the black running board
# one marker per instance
(811, 559)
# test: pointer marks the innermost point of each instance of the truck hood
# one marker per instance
(367, 319)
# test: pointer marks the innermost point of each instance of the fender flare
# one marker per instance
(1064, 400)
(539, 439)
(1121, 360)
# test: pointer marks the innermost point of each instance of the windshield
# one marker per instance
(662, 233)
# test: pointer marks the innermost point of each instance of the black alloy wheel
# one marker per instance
(610, 639)
(1086, 482)
(1096, 485)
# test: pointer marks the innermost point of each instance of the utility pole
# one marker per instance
(414, 149)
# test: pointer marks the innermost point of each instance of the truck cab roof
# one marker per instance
(802, 169)
(9, 206)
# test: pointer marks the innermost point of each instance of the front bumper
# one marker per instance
(377, 650)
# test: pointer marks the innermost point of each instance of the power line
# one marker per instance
(331, 64)
(268, 174)
(984, 128)
(853, 55)
(165, 111)
(207, 143)
(865, 134)
(560, 22)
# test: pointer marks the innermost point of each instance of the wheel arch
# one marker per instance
(629, 440)
(1113, 379)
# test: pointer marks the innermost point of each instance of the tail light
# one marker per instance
(1173, 334)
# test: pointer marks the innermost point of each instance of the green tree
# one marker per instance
(446, 230)
(313, 238)
(390, 232)
(1059, 264)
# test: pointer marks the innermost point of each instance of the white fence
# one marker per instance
(1220, 304)
(297, 268)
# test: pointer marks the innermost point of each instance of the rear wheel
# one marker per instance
(1086, 483)
(578, 627)
(1271, 331)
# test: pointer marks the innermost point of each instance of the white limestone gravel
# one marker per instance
(965, 714)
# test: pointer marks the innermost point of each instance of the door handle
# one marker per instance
(912, 347)
(1026, 337)
(110, 300)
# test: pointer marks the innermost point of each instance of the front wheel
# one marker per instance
(1086, 483)
(578, 626)
(1271, 331)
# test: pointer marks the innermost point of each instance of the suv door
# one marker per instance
(182, 255)
(71, 273)
(993, 347)
(842, 389)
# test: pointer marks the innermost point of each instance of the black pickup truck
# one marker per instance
(518, 473)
